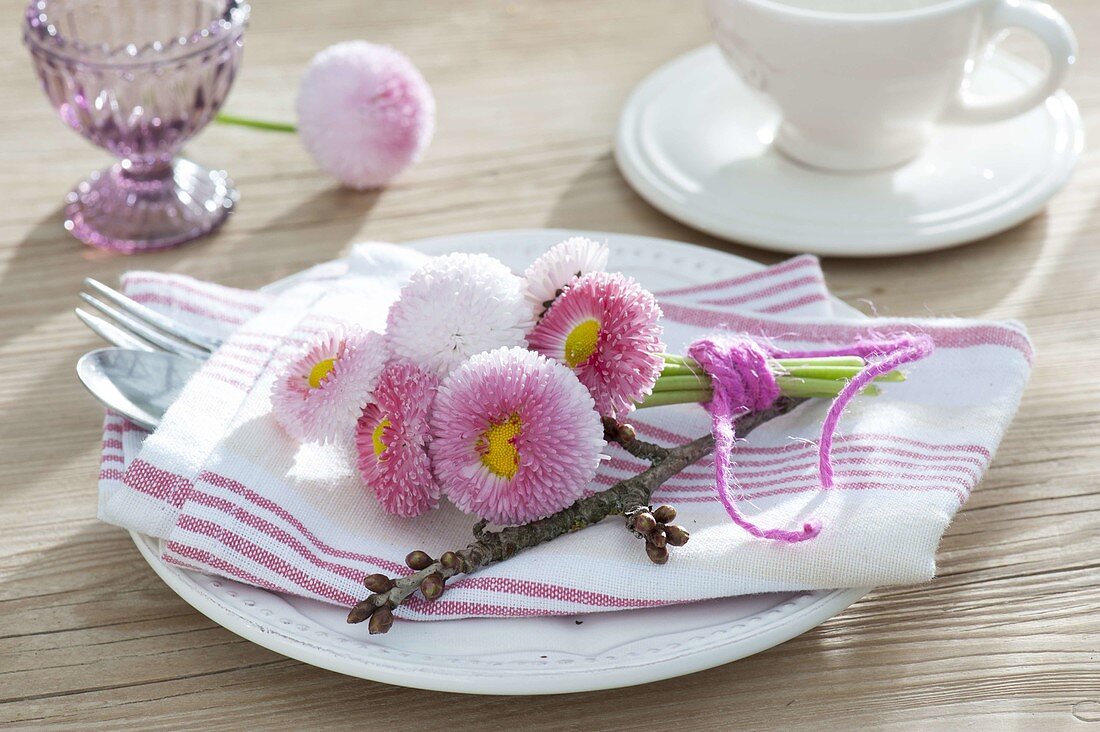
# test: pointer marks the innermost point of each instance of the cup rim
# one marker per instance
(880, 16)
(43, 36)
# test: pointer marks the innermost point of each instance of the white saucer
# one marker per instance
(694, 141)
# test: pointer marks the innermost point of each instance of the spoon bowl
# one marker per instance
(139, 385)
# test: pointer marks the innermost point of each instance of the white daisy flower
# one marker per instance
(327, 383)
(559, 266)
(456, 306)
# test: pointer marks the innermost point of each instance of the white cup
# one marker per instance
(860, 83)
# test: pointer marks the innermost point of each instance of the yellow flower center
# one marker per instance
(581, 342)
(497, 447)
(320, 372)
(376, 437)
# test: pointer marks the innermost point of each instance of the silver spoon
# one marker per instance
(139, 385)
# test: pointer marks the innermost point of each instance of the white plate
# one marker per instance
(694, 141)
(524, 655)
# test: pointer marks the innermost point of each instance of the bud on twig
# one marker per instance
(450, 560)
(657, 538)
(378, 583)
(644, 523)
(664, 514)
(361, 612)
(656, 554)
(418, 560)
(381, 621)
(432, 586)
(676, 535)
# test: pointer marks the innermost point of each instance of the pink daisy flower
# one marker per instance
(392, 440)
(607, 329)
(365, 113)
(564, 262)
(327, 384)
(515, 437)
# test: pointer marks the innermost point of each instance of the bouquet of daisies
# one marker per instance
(500, 393)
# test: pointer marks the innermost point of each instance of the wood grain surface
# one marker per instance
(1008, 636)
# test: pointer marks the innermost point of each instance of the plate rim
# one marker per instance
(636, 169)
(185, 583)
(827, 605)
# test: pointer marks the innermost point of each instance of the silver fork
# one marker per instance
(130, 324)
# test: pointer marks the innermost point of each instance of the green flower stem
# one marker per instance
(807, 388)
(680, 383)
(815, 371)
(682, 396)
(683, 380)
(834, 373)
(675, 390)
(675, 369)
(800, 379)
(682, 361)
(259, 124)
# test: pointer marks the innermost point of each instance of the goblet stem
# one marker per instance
(139, 170)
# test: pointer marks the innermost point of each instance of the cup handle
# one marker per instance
(1055, 33)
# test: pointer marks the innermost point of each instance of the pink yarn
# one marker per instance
(903, 350)
(742, 383)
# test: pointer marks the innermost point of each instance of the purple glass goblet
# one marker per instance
(139, 78)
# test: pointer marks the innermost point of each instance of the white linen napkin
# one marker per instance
(231, 494)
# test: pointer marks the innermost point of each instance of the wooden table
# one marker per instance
(528, 95)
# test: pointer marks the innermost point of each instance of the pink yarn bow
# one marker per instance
(743, 383)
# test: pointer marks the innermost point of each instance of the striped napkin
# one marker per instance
(228, 493)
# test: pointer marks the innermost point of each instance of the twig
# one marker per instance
(627, 439)
(625, 497)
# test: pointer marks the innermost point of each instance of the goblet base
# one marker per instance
(128, 211)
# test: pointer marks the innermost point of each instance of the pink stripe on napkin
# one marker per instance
(794, 287)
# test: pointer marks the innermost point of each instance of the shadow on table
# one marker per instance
(599, 199)
(38, 286)
(999, 263)
(43, 275)
(326, 223)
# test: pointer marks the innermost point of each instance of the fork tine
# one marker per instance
(112, 333)
(144, 331)
(148, 315)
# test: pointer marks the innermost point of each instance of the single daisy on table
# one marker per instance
(392, 440)
(455, 306)
(365, 113)
(515, 436)
(607, 329)
(564, 262)
(327, 384)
